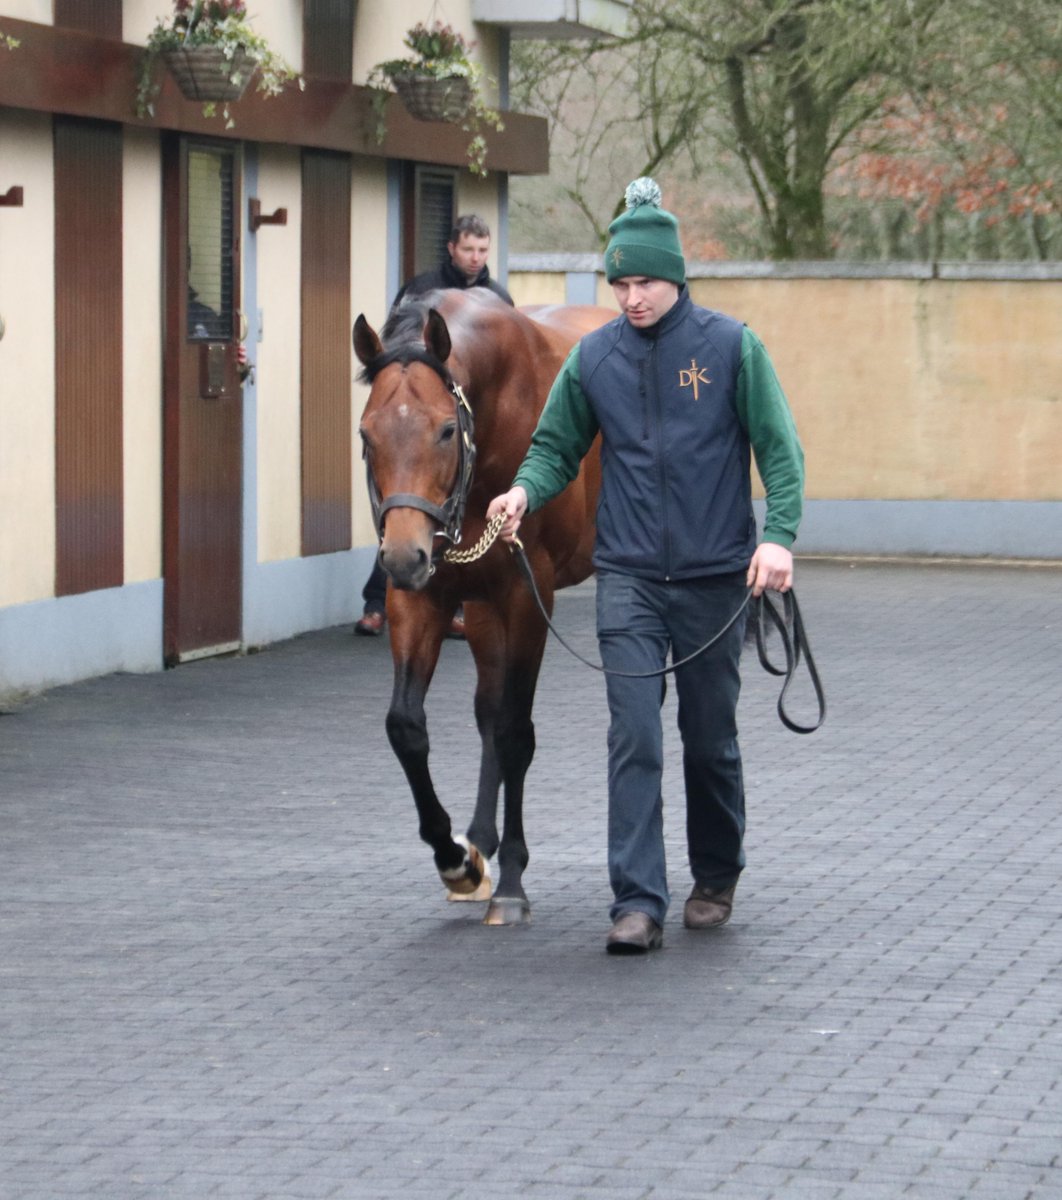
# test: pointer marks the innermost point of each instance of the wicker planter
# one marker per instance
(431, 99)
(204, 73)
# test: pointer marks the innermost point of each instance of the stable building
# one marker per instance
(153, 507)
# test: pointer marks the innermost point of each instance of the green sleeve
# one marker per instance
(764, 414)
(564, 434)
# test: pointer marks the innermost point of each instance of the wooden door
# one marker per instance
(203, 426)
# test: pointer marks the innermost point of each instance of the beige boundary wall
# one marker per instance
(928, 398)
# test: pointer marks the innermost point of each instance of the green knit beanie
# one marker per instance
(644, 240)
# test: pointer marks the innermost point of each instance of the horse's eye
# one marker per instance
(447, 432)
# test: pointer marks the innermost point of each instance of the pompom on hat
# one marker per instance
(644, 240)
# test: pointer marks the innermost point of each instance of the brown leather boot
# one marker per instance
(706, 909)
(370, 625)
(634, 933)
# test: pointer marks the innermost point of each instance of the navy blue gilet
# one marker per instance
(676, 497)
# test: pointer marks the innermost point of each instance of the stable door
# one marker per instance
(203, 427)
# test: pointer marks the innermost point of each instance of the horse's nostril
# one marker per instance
(407, 564)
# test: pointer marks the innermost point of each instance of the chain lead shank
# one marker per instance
(489, 537)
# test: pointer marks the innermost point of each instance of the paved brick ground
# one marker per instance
(227, 969)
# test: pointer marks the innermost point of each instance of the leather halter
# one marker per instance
(450, 514)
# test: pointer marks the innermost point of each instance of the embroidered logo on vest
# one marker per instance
(694, 377)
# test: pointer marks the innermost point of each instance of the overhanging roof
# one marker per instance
(555, 19)
(57, 70)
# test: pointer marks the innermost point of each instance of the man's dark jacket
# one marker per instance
(676, 493)
(446, 275)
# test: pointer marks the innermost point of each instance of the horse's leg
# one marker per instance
(415, 645)
(486, 639)
(514, 741)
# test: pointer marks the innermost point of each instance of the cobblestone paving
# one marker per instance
(228, 970)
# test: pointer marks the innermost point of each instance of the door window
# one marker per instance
(428, 212)
(436, 199)
(211, 244)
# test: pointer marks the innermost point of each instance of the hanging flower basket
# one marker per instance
(430, 99)
(213, 54)
(439, 82)
(205, 72)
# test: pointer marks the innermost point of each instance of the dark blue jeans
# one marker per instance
(374, 593)
(638, 622)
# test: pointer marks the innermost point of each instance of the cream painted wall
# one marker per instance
(369, 249)
(277, 357)
(28, 10)
(139, 17)
(142, 355)
(369, 255)
(904, 389)
(27, 362)
(280, 23)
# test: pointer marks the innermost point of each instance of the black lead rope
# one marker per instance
(796, 646)
(789, 624)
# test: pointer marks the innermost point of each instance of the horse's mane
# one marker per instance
(403, 341)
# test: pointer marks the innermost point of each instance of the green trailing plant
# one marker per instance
(439, 52)
(223, 25)
(9, 42)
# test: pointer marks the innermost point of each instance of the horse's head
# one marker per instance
(416, 434)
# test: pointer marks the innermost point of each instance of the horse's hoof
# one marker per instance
(508, 910)
(465, 880)
(483, 892)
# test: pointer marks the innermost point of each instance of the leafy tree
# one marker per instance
(996, 100)
(781, 85)
(932, 120)
(957, 188)
(609, 108)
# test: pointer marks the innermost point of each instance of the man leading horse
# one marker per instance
(680, 394)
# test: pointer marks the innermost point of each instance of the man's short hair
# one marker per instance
(469, 223)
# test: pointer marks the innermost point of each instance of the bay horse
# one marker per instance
(458, 379)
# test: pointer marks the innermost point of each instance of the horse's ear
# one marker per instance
(437, 336)
(367, 346)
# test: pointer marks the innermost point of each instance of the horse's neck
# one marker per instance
(506, 390)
